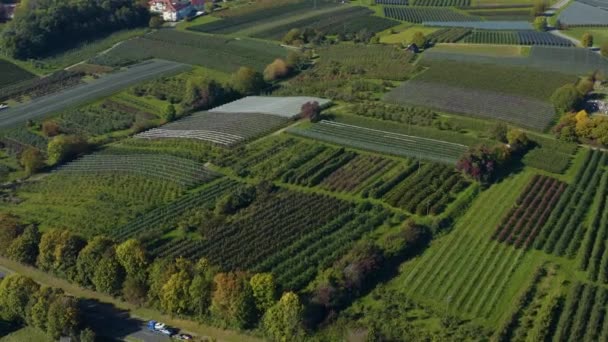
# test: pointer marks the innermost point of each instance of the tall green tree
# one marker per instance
(232, 300)
(248, 81)
(32, 160)
(63, 148)
(89, 259)
(11, 228)
(16, 291)
(109, 274)
(24, 249)
(63, 317)
(566, 98)
(264, 290)
(58, 252)
(41, 303)
(133, 258)
(174, 296)
(283, 321)
(201, 288)
(587, 40)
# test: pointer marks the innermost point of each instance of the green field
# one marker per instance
(513, 80)
(218, 53)
(11, 73)
(432, 196)
(600, 35)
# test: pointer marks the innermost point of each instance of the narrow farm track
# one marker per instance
(81, 94)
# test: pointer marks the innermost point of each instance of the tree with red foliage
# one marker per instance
(312, 111)
(481, 163)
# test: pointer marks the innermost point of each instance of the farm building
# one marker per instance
(175, 10)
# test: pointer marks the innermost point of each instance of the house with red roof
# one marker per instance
(172, 10)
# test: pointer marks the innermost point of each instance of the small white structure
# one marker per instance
(171, 10)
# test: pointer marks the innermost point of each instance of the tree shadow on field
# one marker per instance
(108, 322)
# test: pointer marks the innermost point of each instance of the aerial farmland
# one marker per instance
(304, 170)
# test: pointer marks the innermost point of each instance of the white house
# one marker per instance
(172, 10)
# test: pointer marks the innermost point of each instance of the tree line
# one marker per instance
(43, 27)
(199, 290)
(25, 302)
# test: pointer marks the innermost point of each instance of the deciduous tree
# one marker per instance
(566, 98)
(90, 257)
(587, 40)
(63, 148)
(10, 228)
(276, 70)
(32, 160)
(58, 252)
(311, 111)
(283, 321)
(16, 291)
(540, 24)
(248, 81)
(264, 290)
(232, 300)
(24, 249)
(133, 258)
(63, 317)
(109, 275)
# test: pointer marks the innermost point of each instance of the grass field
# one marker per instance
(342, 20)
(11, 73)
(213, 52)
(483, 50)
(404, 34)
(465, 272)
(240, 20)
(600, 35)
(513, 80)
(26, 335)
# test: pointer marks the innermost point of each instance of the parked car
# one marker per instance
(160, 328)
(3, 106)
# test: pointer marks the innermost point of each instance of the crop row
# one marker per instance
(208, 51)
(384, 142)
(11, 73)
(582, 318)
(516, 38)
(595, 251)
(163, 218)
(37, 87)
(254, 17)
(442, 3)
(523, 111)
(268, 226)
(351, 176)
(182, 171)
(386, 111)
(521, 225)
(427, 191)
(220, 128)
(419, 15)
(547, 159)
(392, 2)
(564, 231)
(448, 35)
(349, 20)
(19, 137)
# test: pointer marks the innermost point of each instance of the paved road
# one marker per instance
(105, 86)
